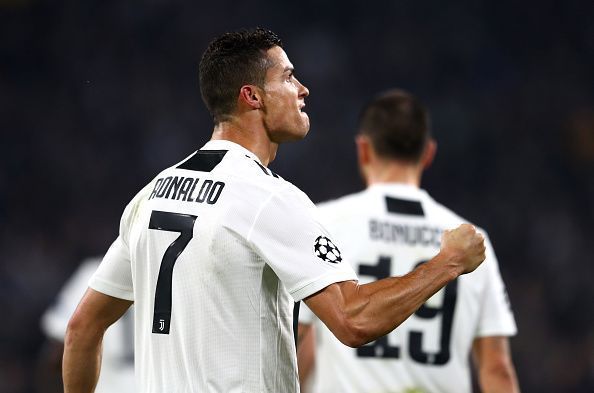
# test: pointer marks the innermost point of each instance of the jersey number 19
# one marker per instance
(382, 349)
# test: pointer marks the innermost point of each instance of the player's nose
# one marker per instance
(303, 91)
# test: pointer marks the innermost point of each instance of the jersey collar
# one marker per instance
(399, 189)
(221, 144)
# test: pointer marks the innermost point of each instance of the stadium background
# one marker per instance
(97, 96)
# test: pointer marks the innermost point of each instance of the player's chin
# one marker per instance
(300, 129)
(294, 135)
(295, 130)
(305, 119)
(304, 128)
(304, 122)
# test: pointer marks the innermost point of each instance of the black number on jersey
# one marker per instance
(172, 222)
(415, 345)
(381, 348)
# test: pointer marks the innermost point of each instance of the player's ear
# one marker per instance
(363, 150)
(429, 153)
(250, 96)
(364, 156)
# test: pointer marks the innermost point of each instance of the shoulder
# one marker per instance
(441, 212)
(249, 173)
(342, 206)
(450, 219)
(243, 170)
(133, 207)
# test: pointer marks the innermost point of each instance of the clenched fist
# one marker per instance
(464, 247)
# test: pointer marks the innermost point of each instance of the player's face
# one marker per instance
(284, 99)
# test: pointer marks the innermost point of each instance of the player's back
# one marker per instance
(212, 315)
(387, 230)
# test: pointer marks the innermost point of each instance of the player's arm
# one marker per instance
(84, 335)
(357, 314)
(305, 352)
(496, 372)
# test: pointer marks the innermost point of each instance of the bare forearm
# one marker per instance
(494, 364)
(358, 314)
(499, 381)
(81, 362)
(383, 305)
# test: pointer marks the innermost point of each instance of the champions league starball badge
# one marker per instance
(326, 250)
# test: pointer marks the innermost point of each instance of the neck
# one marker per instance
(250, 136)
(393, 172)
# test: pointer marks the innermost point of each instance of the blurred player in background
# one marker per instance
(217, 248)
(117, 361)
(389, 229)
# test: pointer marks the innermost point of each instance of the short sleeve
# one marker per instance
(114, 275)
(288, 234)
(496, 318)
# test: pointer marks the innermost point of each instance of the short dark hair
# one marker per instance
(397, 124)
(231, 61)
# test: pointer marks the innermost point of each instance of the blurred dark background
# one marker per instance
(97, 96)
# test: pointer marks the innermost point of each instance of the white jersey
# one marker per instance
(117, 361)
(387, 230)
(214, 252)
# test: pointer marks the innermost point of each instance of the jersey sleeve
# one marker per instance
(114, 275)
(55, 319)
(288, 234)
(496, 317)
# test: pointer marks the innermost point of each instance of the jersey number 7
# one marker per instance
(172, 222)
